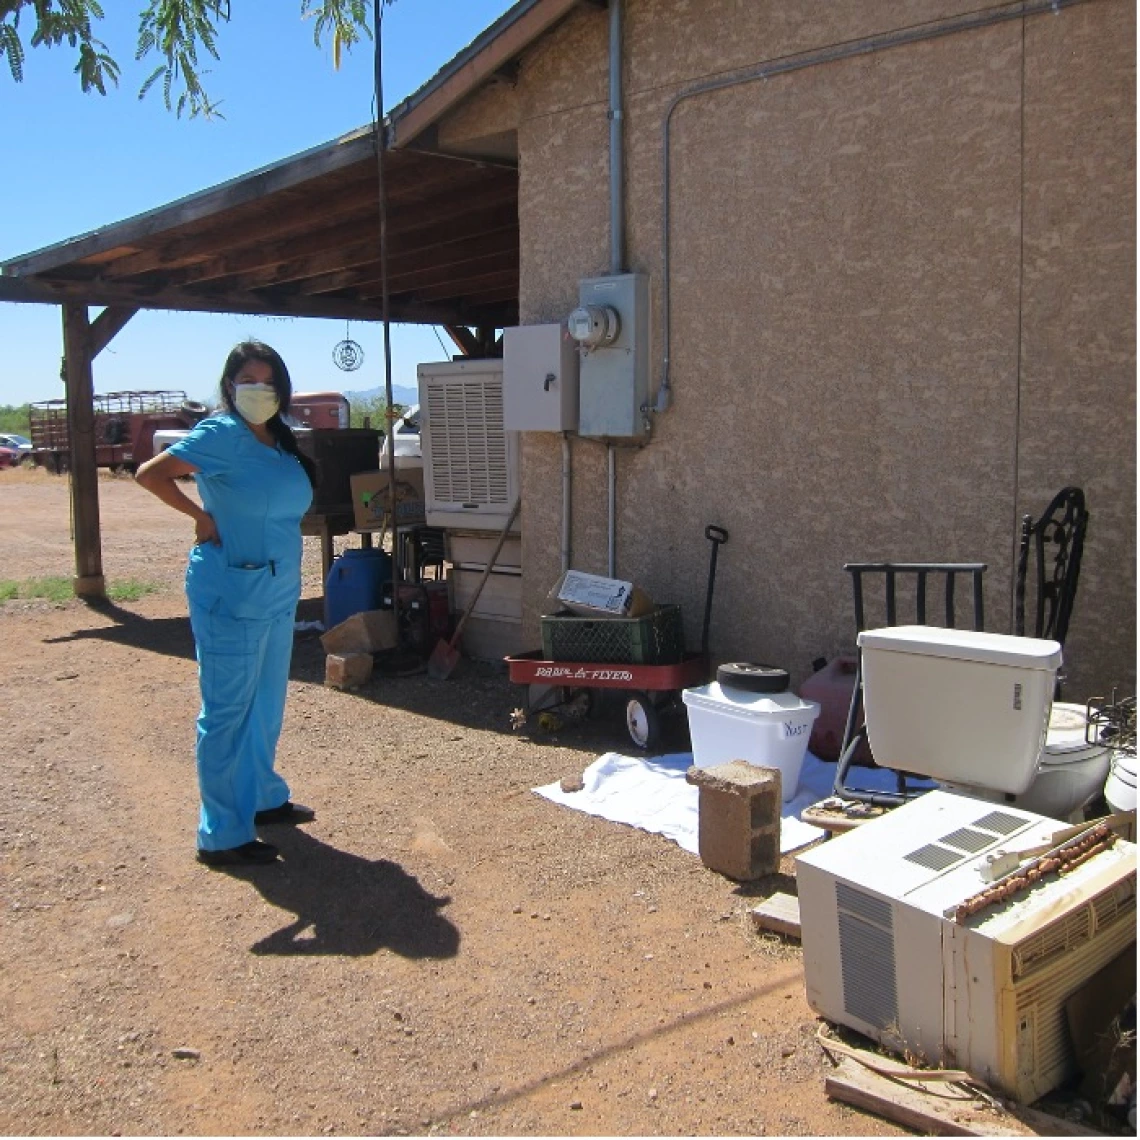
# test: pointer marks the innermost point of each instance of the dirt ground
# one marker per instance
(440, 952)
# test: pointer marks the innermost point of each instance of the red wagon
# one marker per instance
(651, 688)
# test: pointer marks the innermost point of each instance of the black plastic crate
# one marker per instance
(657, 638)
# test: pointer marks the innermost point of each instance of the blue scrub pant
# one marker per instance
(243, 671)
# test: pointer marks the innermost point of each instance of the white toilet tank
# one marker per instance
(955, 705)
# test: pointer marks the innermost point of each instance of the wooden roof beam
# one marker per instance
(312, 164)
(363, 252)
(265, 258)
(459, 287)
(431, 277)
(448, 254)
(292, 212)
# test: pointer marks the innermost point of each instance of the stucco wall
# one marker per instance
(902, 303)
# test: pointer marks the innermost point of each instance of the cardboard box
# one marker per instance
(589, 595)
(371, 631)
(370, 497)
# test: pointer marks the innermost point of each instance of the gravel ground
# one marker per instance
(440, 952)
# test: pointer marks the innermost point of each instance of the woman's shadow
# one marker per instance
(346, 904)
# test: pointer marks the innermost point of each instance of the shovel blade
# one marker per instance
(444, 657)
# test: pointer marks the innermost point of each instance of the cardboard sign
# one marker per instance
(370, 497)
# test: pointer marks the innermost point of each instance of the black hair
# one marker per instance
(282, 433)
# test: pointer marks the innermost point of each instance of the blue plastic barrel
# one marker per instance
(355, 583)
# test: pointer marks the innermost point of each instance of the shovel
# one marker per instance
(445, 656)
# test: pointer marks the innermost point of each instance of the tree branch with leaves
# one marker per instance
(181, 33)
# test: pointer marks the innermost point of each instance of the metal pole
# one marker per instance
(382, 200)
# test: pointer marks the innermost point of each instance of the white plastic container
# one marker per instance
(955, 705)
(1120, 787)
(768, 729)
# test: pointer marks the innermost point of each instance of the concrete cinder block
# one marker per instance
(739, 819)
(347, 670)
(369, 632)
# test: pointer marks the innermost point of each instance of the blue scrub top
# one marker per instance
(256, 496)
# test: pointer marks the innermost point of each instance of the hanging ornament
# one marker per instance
(348, 355)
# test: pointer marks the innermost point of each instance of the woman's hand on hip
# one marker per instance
(206, 530)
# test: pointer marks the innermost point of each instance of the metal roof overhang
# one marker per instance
(301, 238)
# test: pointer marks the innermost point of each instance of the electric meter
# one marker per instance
(594, 326)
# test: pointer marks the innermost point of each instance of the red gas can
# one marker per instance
(831, 687)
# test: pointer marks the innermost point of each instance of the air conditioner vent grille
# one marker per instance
(1001, 822)
(1040, 1004)
(867, 957)
(966, 839)
(933, 857)
(862, 905)
(1073, 929)
(469, 461)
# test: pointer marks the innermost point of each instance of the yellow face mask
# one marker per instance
(257, 403)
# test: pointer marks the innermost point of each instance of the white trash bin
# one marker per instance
(768, 729)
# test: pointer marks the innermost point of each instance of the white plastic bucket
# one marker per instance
(1120, 787)
(768, 729)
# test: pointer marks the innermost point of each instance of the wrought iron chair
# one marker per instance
(1056, 541)
(913, 578)
(423, 551)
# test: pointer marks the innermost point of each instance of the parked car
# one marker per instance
(405, 435)
(17, 443)
(9, 457)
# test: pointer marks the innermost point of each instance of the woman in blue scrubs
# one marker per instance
(243, 584)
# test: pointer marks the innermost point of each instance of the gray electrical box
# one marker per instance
(611, 326)
(540, 379)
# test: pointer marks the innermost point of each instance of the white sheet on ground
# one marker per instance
(650, 793)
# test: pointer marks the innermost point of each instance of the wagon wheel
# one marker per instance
(643, 721)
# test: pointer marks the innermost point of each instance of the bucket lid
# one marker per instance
(965, 645)
(721, 698)
(1066, 732)
(1124, 766)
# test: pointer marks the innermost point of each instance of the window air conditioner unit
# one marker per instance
(890, 951)
(471, 466)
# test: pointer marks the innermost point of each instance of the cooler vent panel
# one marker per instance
(966, 839)
(1075, 928)
(468, 443)
(1048, 1058)
(1001, 822)
(933, 857)
(867, 957)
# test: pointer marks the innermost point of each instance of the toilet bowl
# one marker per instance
(1070, 771)
(1120, 787)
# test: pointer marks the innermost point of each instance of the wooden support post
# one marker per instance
(487, 342)
(107, 325)
(88, 582)
(463, 338)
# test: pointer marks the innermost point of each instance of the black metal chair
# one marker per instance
(1056, 541)
(906, 583)
(423, 550)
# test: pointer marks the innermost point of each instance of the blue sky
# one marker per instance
(75, 162)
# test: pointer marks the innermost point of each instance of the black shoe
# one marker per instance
(252, 852)
(288, 812)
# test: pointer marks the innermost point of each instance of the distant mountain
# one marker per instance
(401, 394)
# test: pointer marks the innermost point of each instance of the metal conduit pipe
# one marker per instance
(566, 490)
(950, 26)
(611, 481)
(617, 236)
(617, 153)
